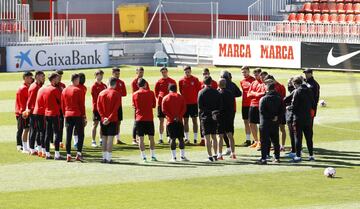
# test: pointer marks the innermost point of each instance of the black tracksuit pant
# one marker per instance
(76, 123)
(270, 134)
(52, 127)
(307, 130)
(292, 136)
(21, 125)
(36, 130)
(40, 130)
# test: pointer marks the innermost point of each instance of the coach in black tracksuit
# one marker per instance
(270, 108)
(301, 105)
(289, 115)
(314, 86)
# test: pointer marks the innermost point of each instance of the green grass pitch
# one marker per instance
(30, 182)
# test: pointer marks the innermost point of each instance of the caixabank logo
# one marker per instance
(57, 57)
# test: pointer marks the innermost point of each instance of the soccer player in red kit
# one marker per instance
(134, 86)
(108, 104)
(144, 101)
(61, 86)
(39, 113)
(121, 88)
(73, 104)
(52, 103)
(21, 113)
(256, 92)
(245, 84)
(161, 90)
(174, 108)
(32, 94)
(189, 87)
(96, 88)
(82, 87)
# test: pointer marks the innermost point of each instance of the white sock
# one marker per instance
(186, 135)
(248, 137)
(76, 139)
(143, 155)
(152, 153)
(48, 154)
(118, 137)
(100, 140)
(161, 137)
(109, 156)
(79, 153)
(38, 148)
(25, 146)
(173, 154)
(57, 154)
(182, 153)
(68, 155)
(195, 136)
(228, 149)
(219, 154)
(43, 150)
(104, 154)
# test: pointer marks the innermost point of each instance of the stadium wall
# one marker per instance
(184, 18)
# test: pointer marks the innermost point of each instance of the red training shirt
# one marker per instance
(108, 104)
(96, 88)
(121, 88)
(189, 87)
(173, 106)
(135, 87)
(258, 90)
(73, 102)
(144, 101)
(39, 108)
(32, 94)
(162, 88)
(21, 99)
(245, 86)
(52, 101)
(214, 85)
(280, 89)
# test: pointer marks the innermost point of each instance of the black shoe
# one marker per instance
(210, 159)
(104, 161)
(215, 158)
(261, 162)
(195, 141)
(246, 143)
(161, 142)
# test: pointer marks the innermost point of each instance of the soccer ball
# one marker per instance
(322, 103)
(330, 172)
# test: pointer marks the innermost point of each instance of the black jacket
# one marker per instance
(227, 100)
(270, 107)
(315, 88)
(301, 105)
(287, 102)
(233, 88)
(209, 100)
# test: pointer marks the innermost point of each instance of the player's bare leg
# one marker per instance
(161, 130)
(254, 131)
(195, 128)
(186, 130)
(93, 133)
(25, 136)
(214, 145)
(232, 144)
(247, 133)
(220, 147)
(208, 148)
(118, 141)
(152, 148)
(283, 137)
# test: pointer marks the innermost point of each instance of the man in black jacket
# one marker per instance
(270, 109)
(315, 88)
(235, 90)
(290, 117)
(226, 119)
(209, 102)
(301, 106)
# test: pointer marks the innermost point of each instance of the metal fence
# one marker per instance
(264, 10)
(23, 32)
(289, 31)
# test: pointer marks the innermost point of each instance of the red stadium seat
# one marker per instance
(356, 8)
(340, 8)
(324, 8)
(357, 19)
(349, 8)
(348, 1)
(342, 18)
(300, 17)
(349, 18)
(325, 18)
(339, 1)
(332, 8)
(317, 18)
(309, 18)
(333, 18)
(315, 7)
(292, 17)
(279, 28)
(306, 7)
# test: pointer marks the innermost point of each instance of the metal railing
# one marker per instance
(264, 10)
(23, 32)
(289, 31)
(8, 9)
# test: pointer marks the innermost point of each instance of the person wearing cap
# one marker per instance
(301, 106)
(21, 113)
(161, 90)
(245, 84)
(61, 86)
(73, 105)
(174, 108)
(134, 86)
(144, 102)
(108, 104)
(32, 94)
(52, 104)
(209, 101)
(189, 87)
(270, 109)
(96, 88)
(315, 88)
(121, 88)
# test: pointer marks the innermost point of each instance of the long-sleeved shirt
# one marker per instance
(209, 100)
(189, 87)
(315, 88)
(52, 101)
(108, 104)
(135, 87)
(96, 88)
(39, 108)
(245, 86)
(173, 106)
(32, 94)
(227, 101)
(214, 84)
(256, 91)
(73, 102)
(144, 101)
(301, 105)
(21, 99)
(121, 88)
(162, 88)
(270, 107)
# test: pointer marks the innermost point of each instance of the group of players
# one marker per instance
(41, 112)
